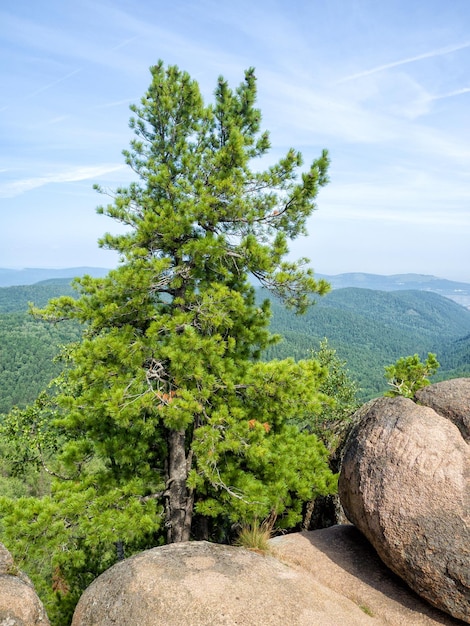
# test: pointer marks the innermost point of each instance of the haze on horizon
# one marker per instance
(383, 86)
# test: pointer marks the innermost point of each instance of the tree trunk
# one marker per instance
(179, 499)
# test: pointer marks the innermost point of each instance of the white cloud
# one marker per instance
(401, 196)
(380, 90)
(383, 115)
(320, 112)
(15, 188)
(90, 45)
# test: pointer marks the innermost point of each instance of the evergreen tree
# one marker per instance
(409, 374)
(165, 406)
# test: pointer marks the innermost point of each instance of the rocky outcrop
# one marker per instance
(203, 584)
(330, 577)
(404, 483)
(19, 603)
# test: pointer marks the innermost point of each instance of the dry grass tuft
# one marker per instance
(256, 536)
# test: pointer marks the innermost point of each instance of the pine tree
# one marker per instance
(409, 374)
(165, 405)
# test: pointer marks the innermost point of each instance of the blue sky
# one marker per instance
(383, 85)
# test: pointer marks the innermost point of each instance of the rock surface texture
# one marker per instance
(342, 560)
(405, 484)
(330, 577)
(451, 399)
(204, 584)
(19, 603)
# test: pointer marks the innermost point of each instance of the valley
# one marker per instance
(369, 329)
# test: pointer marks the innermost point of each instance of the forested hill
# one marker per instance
(368, 328)
(16, 299)
(28, 346)
(32, 275)
(457, 291)
(371, 329)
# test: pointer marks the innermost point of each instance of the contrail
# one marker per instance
(419, 57)
(56, 82)
(457, 92)
(114, 104)
(124, 43)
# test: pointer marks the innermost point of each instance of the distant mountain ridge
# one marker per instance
(33, 275)
(394, 282)
(457, 291)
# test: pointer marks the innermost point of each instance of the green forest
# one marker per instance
(28, 346)
(369, 329)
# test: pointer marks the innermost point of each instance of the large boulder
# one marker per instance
(19, 603)
(204, 584)
(327, 577)
(340, 558)
(451, 399)
(405, 484)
